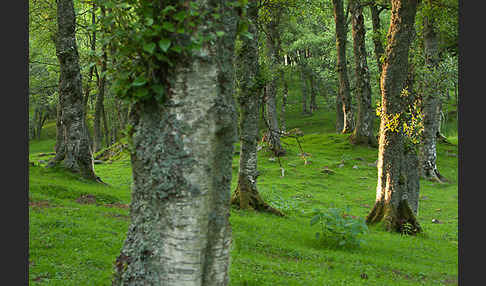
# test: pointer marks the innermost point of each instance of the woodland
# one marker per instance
(243, 142)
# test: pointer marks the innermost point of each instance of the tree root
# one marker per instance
(400, 219)
(249, 199)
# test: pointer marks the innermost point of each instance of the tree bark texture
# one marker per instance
(285, 93)
(273, 134)
(379, 50)
(396, 186)
(246, 195)
(430, 106)
(181, 158)
(77, 155)
(344, 89)
(363, 130)
(99, 105)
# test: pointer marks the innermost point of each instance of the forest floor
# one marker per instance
(77, 228)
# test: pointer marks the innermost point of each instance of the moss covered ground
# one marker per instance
(76, 228)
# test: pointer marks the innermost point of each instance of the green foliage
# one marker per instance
(339, 227)
(148, 39)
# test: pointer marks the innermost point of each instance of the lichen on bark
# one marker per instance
(181, 153)
(73, 149)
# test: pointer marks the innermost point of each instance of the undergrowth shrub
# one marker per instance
(339, 228)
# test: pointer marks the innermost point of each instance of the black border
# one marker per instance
(471, 76)
(14, 116)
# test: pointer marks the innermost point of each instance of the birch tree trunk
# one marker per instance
(396, 190)
(430, 105)
(75, 152)
(344, 89)
(246, 195)
(181, 163)
(363, 130)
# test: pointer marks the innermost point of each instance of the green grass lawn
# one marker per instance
(77, 228)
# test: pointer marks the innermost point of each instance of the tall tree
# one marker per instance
(431, 97)
(183, 126)
(273, 54)
(396, 190)
(378, 46)
(246, 195)
(99, 105)
(344, 93)
(73, 148)
(304, 86)
(363, 130)
(313, 92)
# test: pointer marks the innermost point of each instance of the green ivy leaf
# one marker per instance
(168, 8)
(141, 93)
(168, 26)
(164, 44)
(177, 49)
(139, 81)
(180, 16)
(149, 47)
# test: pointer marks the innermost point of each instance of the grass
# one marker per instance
(77, 228)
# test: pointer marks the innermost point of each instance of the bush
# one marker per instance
(339, 228)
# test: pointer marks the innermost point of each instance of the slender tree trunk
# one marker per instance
(60, 145)
(313, 93)
(181, 162)
(38, 122)
(77, 155)
(363, 130)
(339, 113)
(284, 101)
(379, 50)
(344, 90)
(273, 134)
(305, 91)
(87, 89)
(246, 195)
(99, 106)
(105, 127)
(430, 105)
(396, 189)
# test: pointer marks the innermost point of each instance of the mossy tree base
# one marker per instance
(247, 198)
(85, 175)
(363, 140)
(400, 219)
